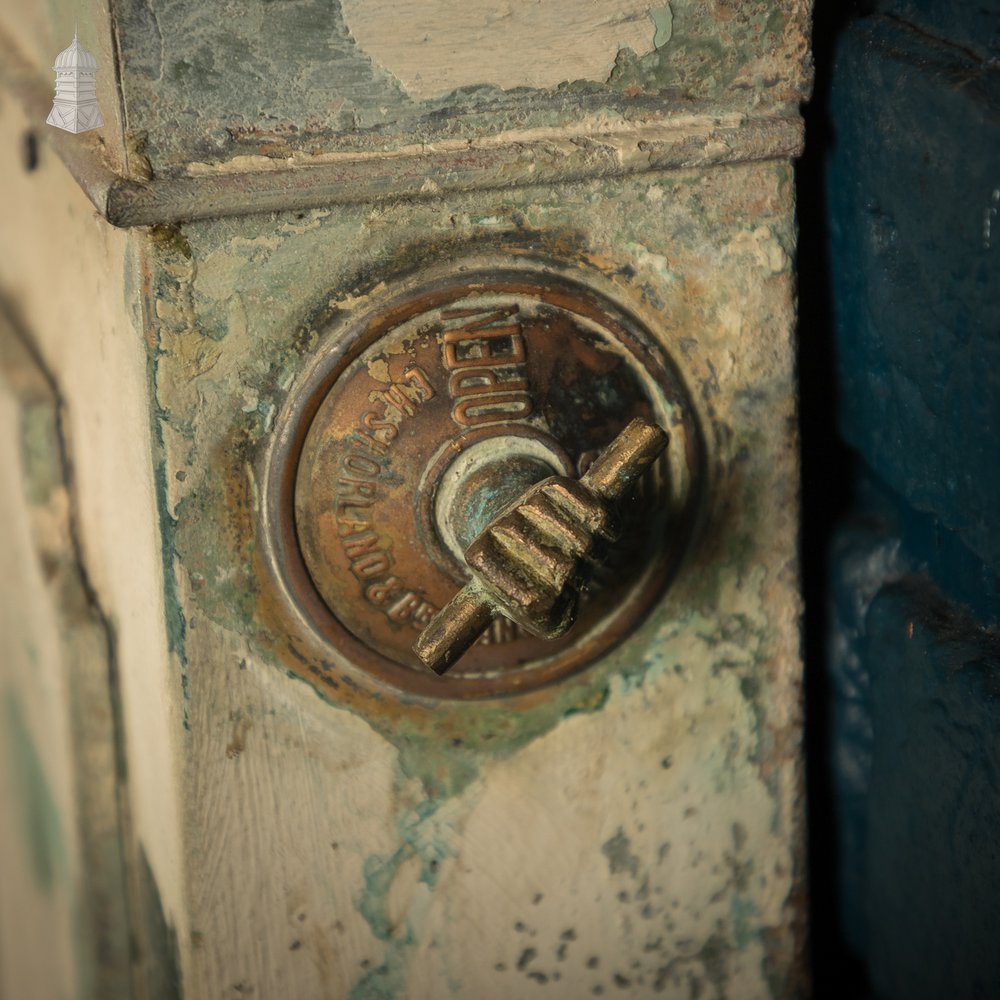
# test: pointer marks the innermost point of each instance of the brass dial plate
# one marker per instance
(523, 375)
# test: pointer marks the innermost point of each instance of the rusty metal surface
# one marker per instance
(513, 366)
(532, 561)
(701, 138)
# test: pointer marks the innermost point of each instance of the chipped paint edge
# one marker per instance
(253, 185)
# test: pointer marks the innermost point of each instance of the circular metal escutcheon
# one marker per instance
(437, 411)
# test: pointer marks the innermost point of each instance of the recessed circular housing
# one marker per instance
(423, 417)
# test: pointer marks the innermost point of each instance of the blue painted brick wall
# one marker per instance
(913, 193)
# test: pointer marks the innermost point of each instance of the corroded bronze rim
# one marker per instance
(668, 402)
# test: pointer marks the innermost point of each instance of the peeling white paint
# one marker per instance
(762, 247)
(433, 48)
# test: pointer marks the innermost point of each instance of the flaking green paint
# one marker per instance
(174, 619)
(379, 874)
(314, 89)
(387, 981)
(417, 839)
(743, 915)
(41, 473)
(663, 22)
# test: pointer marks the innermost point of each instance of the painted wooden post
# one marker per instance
(277, 820)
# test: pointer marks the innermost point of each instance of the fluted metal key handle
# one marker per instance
(530, 561)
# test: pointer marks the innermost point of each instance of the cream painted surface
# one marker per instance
(39, 858)
(77, 287)
(285, 799)
(29, 26)
(40, 31)
(576, 863)
(560, 867)
(433, 48)
(580, 861)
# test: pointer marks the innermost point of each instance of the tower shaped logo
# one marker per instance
(75, 106)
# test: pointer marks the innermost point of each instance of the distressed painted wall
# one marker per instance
(69, 289)
(63, 928)
(914, 188)
(39, 906)
(636, 828)
(314, 76)
(633, 830)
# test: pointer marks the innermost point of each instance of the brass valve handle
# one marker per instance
(530, 562)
